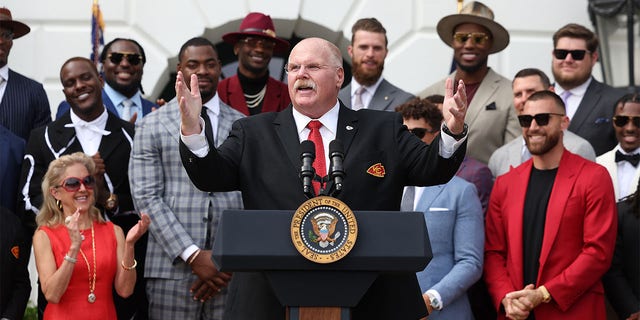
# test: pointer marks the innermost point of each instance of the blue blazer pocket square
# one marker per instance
(491, 106)
(602, 120)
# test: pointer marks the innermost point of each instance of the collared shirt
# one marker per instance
(367, 95)
(575, 98)
(117, 98)
(328, 130)
(4, 77)
(89, 139)
(626, 173)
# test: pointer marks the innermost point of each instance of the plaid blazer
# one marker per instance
(162, 189)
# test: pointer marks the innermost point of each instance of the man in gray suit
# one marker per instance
(368, 89)
(588, 102)
(525, 83)
(182, 281)
(474, 35)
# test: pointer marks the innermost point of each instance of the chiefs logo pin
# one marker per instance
(15, 251)
(376, 170)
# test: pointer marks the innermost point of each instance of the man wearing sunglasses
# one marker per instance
(551, 225)
(87, 127)
(588, 101)
(525, 83)
(622, 161)
(474, 35)
(122, 68)
(368, 89)
(251, 90)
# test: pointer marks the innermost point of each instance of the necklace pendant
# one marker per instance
(91, 297)
(82, 237)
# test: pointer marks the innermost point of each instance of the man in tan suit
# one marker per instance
(474, 35)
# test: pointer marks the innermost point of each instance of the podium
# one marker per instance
(260, 241)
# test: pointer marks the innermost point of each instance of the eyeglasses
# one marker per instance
(133, 58)
(73, 184)
(6, 35)
(254, 42)
(311, 68)
(621, 121)
(542, 119)
(477, 37)
(420, 132)
(575, 54)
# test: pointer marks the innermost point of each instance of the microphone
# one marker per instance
(307, 155)
(336, 170)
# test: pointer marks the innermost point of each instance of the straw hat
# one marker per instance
(478, 13)
(256, 24)
(19, 29)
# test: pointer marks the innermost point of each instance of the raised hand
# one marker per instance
(139, 228)
(190, 104)
(454, 106)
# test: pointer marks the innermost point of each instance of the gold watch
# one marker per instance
(546, 296)
(112, 202)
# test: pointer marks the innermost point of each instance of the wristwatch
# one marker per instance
(459, 136)
(435, 303)
(546, 296)
(112, 202)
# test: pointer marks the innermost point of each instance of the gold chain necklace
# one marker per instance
(92, 280)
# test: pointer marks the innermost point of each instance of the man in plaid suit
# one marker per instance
(182, 280)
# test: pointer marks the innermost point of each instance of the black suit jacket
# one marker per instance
(24, 105)
(592, 120)
(15, 285)
(261, 158)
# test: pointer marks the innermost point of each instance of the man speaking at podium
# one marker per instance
(261, 158)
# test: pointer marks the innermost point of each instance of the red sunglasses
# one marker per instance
(72, 184)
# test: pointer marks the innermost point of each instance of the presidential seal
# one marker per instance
(324, 229)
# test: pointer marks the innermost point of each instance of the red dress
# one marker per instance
(74, 303)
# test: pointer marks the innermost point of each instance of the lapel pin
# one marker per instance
(349, 128)
(376, 170)
(386, 98)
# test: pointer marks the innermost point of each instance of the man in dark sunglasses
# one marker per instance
(474, 35)
(525, 83)
(623, 161)
(588, 102)
(87, 127)
(122, 68)
(555, 215)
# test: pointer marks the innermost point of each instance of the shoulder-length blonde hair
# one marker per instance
(50, 214)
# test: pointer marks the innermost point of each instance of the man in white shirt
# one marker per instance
(622, 161)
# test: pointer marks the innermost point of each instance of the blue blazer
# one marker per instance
(146, 106)
(24, 105)
(454, 218)
(11, 153)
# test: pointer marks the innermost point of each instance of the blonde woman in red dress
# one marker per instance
(80, 257)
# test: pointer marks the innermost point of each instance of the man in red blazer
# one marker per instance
(251, 90)
(550, 227)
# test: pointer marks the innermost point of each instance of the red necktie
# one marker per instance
(319, 163)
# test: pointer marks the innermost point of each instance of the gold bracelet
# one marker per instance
(194, 256)
(135, 264)
(546, 297)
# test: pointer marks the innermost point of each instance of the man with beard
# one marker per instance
(588, 101)
(551, 225)
(474, 35)
(87, 127)
(525, 83)
(251, 90)
(368, 89)
(182, 280)
(24, 105)
(622, 161)
(122, 63)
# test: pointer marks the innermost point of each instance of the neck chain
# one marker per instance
(254, 100)
(92, 278)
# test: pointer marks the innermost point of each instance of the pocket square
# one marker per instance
(490, 106)
(438, 209)
(601, 120)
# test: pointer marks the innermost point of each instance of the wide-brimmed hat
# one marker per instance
(18, 28)
(478, 13)
(256, 24)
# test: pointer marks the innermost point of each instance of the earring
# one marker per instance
(59, 204)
